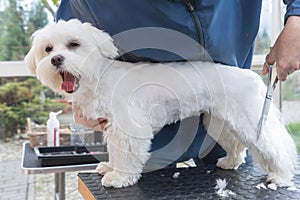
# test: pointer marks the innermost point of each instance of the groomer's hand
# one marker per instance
(95, 124)
(286, 50)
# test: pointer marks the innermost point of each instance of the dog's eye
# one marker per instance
(73, 45)
(48, 49)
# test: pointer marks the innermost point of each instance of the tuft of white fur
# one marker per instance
(138, 99)
(292, 188)
(272, 186)
(221, 191)
(221, 184)
(176, 175)
(261, 185)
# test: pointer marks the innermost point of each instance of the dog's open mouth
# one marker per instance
(70, 82)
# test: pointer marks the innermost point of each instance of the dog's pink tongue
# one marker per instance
(67, 86)
(68, 83)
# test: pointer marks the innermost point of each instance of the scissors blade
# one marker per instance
(268, 98)
(266, 107)
(264, 115)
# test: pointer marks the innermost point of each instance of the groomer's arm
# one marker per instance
(286, 50)
(95, 124)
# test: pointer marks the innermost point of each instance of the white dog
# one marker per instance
(138, 99)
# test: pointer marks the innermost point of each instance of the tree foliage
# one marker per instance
(37, 18)
(13, 35)
(16, 26)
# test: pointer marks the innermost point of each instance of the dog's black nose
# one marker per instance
(57, 60)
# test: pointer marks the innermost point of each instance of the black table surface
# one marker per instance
(194, 183)
(31, 165)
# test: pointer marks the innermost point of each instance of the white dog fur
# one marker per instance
(138, 99)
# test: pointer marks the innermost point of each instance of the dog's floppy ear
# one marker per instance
(30, 57)
(103, 41)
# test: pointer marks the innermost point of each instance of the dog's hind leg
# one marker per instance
(235, 150)
(275, 150)
(128, 154)
(245, 93)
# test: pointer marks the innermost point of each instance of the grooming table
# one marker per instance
(31, 165)
(190, 183)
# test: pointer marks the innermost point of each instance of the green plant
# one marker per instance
(20, 100)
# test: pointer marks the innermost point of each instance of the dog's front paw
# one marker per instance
(119, 179)
(279, 180)
(103, 168)
(230, 162)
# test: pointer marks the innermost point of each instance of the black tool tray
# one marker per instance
(71, 155)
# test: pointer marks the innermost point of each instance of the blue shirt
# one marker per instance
(229, 27)
(229, 30)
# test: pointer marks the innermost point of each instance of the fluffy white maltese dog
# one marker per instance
(77, 60)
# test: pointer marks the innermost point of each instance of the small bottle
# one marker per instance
(53, 129)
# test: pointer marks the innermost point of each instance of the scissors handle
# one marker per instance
(270, 87)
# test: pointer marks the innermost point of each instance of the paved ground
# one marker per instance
(14, 185)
